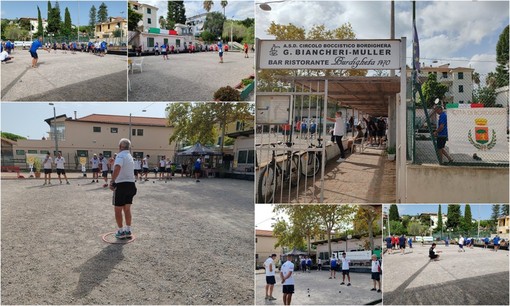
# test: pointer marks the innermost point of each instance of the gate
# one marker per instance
(290, 144)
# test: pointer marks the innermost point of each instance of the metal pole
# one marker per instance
(129, 136)
(55, 128)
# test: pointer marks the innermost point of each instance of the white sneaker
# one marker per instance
(340, 160)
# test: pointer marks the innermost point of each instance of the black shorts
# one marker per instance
(124, 193)
(47, 171)
(433, 256)
(373, 133)
(164, 52)
(161, 169)
(334, 268)
(441, 142)
(221, 54)
(345, 272)
(381, 133)
(376, 276)
(270, 280)
(289, 289)
(402, 246)
(95, 170)
(60, 171)
(34, 54)
(168, 170)
(145, 170)
(105, 173)
(137, 171)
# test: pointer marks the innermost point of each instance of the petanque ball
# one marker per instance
(339, 291)
(308, 295)
(153, 182)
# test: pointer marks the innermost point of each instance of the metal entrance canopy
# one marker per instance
(367, 94)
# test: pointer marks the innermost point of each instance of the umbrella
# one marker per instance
(198, 150)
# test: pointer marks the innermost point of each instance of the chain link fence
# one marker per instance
(476, 115)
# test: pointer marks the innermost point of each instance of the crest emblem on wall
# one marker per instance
(484, 139)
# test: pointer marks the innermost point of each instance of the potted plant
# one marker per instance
(37, 167)
(391, 153)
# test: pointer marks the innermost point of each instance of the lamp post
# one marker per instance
(387, 219)
(231, 32)
(55, 127)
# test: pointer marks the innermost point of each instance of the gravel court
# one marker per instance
(194, 244)
(322, 290)
(477, 276)
(64, 77)
(187, 77)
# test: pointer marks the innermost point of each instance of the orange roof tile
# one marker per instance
(148, 121)
(264, 233)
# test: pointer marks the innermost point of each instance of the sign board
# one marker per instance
(30, 158)
(272, 109)
(328, 54)
(476, 130)
(359, 255)
(424, 238)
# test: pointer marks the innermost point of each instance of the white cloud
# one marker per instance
(239, 9)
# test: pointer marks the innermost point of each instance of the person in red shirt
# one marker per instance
(245, 48)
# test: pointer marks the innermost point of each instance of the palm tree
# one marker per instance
(476, 79)
(162, 22)
(223, 5)
(208, 5)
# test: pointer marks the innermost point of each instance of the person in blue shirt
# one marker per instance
(103, 48)
(389, 247)
(402, 242)
(485, 242)
(220, 51)
(9, 46)
(496, 243)
(442, 134)
(197, 167)
(36, 44)
(410, 242)
(333, 268)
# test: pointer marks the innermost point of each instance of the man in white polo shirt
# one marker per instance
(123, 187)
(287, 276)
(59, 161)
(270, 276)
(94, 162)
(47, 168)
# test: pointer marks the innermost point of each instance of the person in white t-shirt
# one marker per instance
(270, 277)
(145, 166)
(287, 276)
(162, 168)
(345, 269)
(5, 57)
(138, 168)
(103, 164)
(59, 161)
(124, 188)
(94, 162)
(168, 169)
(47, 168)
(376, 273)
(338, 133)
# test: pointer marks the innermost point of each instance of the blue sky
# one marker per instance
(482, 210)
(18, 9)
(462, 33)
(16, 119)
(237, 10)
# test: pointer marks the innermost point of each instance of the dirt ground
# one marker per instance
(194, 244)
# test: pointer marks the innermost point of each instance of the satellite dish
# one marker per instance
(265, 7)
(436, 101)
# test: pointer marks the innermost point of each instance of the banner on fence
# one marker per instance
(477, 130)
(273, 109)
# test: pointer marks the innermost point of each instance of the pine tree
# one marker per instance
(54, 20)
(49, 11)
(454, 216)
(40, 28)
(66, 30)
(176, 13)
(394, 216)
(439, 219)
(92, 16)
(504, 209)
(102, 13)
(468, 219)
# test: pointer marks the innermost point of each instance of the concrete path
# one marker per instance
(315, 288)
(477, 276)
(64, 77)
(187, 77)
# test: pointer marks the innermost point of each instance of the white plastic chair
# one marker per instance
(137, 63)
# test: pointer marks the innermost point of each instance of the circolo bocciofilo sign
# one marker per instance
(329, 54)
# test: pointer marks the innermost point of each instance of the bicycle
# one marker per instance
(311, 161)
(270, 177)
